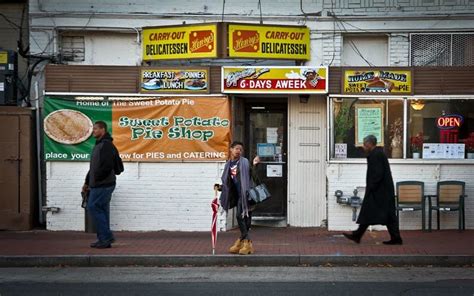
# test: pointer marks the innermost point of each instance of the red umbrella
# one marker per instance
(215, 208)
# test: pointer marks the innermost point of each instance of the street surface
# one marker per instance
(238, 281)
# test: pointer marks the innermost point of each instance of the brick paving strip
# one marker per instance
(274, 246)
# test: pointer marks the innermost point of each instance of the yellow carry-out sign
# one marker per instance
(269, 42)
(179, 42)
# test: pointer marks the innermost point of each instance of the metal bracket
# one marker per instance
(51, 209)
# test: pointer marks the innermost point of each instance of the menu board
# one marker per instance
(443, 151)
(369, 121)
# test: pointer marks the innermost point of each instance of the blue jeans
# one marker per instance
(99, 208)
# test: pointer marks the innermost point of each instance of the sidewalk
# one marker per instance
(274, 246)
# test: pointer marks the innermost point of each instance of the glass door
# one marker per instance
(266, 135)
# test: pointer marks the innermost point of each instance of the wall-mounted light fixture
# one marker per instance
(304, 98)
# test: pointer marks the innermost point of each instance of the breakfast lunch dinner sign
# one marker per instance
(172, 80)
(173, 129)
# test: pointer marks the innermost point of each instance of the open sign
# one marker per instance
(451, 121)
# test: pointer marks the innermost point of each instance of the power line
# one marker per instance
(352, 44)
(260, 8)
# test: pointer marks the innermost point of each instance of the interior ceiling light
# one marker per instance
(417, 105)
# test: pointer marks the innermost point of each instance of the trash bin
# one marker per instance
(89, 223)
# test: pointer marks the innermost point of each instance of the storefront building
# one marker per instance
(423, 118)
(172, 160)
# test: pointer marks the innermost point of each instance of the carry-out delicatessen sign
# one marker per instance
(268, 42)
(179, 42)
(153, 130)
(310, 80)
(226, 40)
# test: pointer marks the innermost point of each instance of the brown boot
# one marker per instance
(247, 248)
(236, 247)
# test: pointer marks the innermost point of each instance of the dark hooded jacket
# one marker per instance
(378, 206)
(101, 171)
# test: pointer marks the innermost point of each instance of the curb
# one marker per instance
(231, 260)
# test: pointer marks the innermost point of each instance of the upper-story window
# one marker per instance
(364, 50)
(445, 49)
(73, 48)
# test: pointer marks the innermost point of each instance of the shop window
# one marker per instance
(442, 49)
(353, 119)
(73, 48)
(441, 128)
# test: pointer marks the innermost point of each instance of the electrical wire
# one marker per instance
(223, 8)
(352, 44)
(333, 36)
(10, 21)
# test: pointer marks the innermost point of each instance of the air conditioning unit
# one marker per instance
(8, 77)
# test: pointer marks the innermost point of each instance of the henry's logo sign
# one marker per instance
(246, 41)
(447, 122)
(201, 41)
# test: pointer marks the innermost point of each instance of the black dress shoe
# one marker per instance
(103, 245)
(95, 244)
(394, 242)
(352, 237)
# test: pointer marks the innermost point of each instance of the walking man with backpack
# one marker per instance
(100, 181)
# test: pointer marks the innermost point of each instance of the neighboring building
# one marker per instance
(14, 38)
(177, 195)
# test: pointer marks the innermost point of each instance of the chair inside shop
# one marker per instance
(411, 197)
(450, 197)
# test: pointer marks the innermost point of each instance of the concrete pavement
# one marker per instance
(274, 247)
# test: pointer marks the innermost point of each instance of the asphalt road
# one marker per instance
(238, 281)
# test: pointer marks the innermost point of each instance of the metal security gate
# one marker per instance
(442, 49)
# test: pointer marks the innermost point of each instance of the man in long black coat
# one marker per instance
(378, 207)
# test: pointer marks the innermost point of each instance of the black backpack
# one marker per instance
(118, 163)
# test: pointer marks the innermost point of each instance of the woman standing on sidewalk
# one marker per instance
(237, 179)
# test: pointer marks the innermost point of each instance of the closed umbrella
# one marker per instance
(215, 208)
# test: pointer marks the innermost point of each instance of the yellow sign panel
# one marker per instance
(3, 57)
(269, 42)
(377, 81)
(179, 42)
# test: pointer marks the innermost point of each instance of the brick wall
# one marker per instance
(332, 49)
(384, 7)
(399, 49)
(346, 177)
(148, 197)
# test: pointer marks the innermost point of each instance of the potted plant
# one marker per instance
(396, 133)
(469, 142)
(342, 123)
(416, 144)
